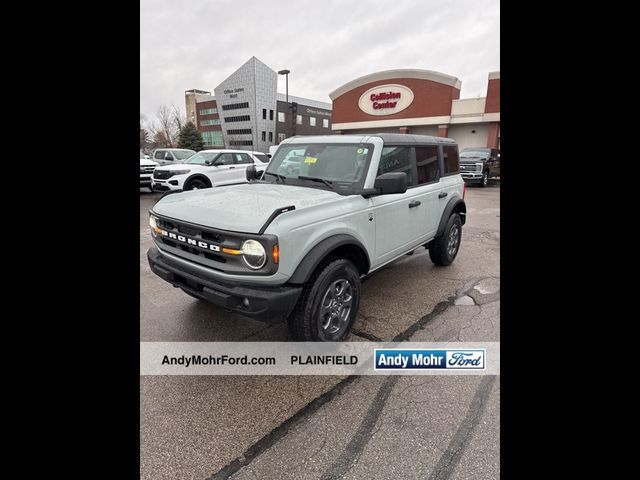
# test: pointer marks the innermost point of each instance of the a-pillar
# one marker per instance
(492, 137)
(443, 130)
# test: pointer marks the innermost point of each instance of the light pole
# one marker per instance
(286, 73)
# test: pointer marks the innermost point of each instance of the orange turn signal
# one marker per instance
(232, 251)
(276, 253)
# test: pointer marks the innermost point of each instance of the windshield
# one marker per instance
(474, 153)
(183, 154)
(343, 163)
(202, 158)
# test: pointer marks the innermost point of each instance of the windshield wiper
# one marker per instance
(317, 179)
(277, 175)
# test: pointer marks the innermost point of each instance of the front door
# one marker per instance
(223, 169)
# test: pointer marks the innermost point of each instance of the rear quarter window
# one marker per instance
(451, 162)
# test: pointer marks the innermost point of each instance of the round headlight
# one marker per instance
(253, 254)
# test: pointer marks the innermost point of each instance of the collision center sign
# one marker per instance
(385, 99)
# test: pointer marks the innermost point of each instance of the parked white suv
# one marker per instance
(205, 169)
(146, 170)
(171, 156)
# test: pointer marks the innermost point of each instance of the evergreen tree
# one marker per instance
(190, 137)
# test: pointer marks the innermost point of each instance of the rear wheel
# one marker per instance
(196, 184)
(444, 249)
(328, 305)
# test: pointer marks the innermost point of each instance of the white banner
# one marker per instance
(317, 358)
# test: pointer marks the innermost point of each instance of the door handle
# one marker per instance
(442, 194)
(414, 204)
(231, 168)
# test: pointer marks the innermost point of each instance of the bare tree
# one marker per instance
(179, 119)
(166, 124)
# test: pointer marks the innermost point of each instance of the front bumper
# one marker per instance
(173, 183)
(471, 177)
(267, 304)
(145, 180)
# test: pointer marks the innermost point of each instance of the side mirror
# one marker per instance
(392, 182)
(251, 173)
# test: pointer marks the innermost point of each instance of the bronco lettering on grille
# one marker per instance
(190, 241)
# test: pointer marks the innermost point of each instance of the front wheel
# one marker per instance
(485, 179)
(328, 305)
(196, 184)
(444, 249)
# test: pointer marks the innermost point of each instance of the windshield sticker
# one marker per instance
(361, 151)
(310, 159)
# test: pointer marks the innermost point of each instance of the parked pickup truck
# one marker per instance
(293, 246)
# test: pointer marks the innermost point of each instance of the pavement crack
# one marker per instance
(367, 336)
(356, 445)
(267, 441)
(451, 456)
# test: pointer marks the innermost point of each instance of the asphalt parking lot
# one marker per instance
(334, 427)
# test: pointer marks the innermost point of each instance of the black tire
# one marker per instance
(196, 184)
(485, 179)
(321, 313)
(441, 251)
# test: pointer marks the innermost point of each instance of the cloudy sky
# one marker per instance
(325, 43)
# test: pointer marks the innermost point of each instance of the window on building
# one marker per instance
(239, 131)
(299, 119)
(213, 139)
(264, 113)
(241, 143)
(270, 114)
(271, 136)
(427, 163)
(235, 106)
(210, 121)
(264, 135)
(208, 111)
(450, 159)
(312, 121)
(281, 116)
(281, 137)
(239, 118)
(325, 123)
(397, 159)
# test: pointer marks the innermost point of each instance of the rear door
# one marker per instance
(428, 189)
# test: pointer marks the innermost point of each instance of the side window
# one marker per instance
(159, 155)
(397, 159)
(450, 159)
(242, 158)
(427, 163)
(168, 156)
(224, 159)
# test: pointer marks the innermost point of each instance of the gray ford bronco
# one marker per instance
(293, 244)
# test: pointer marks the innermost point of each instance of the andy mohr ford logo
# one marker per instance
(407, 359)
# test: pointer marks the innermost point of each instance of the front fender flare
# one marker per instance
(319, 252)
